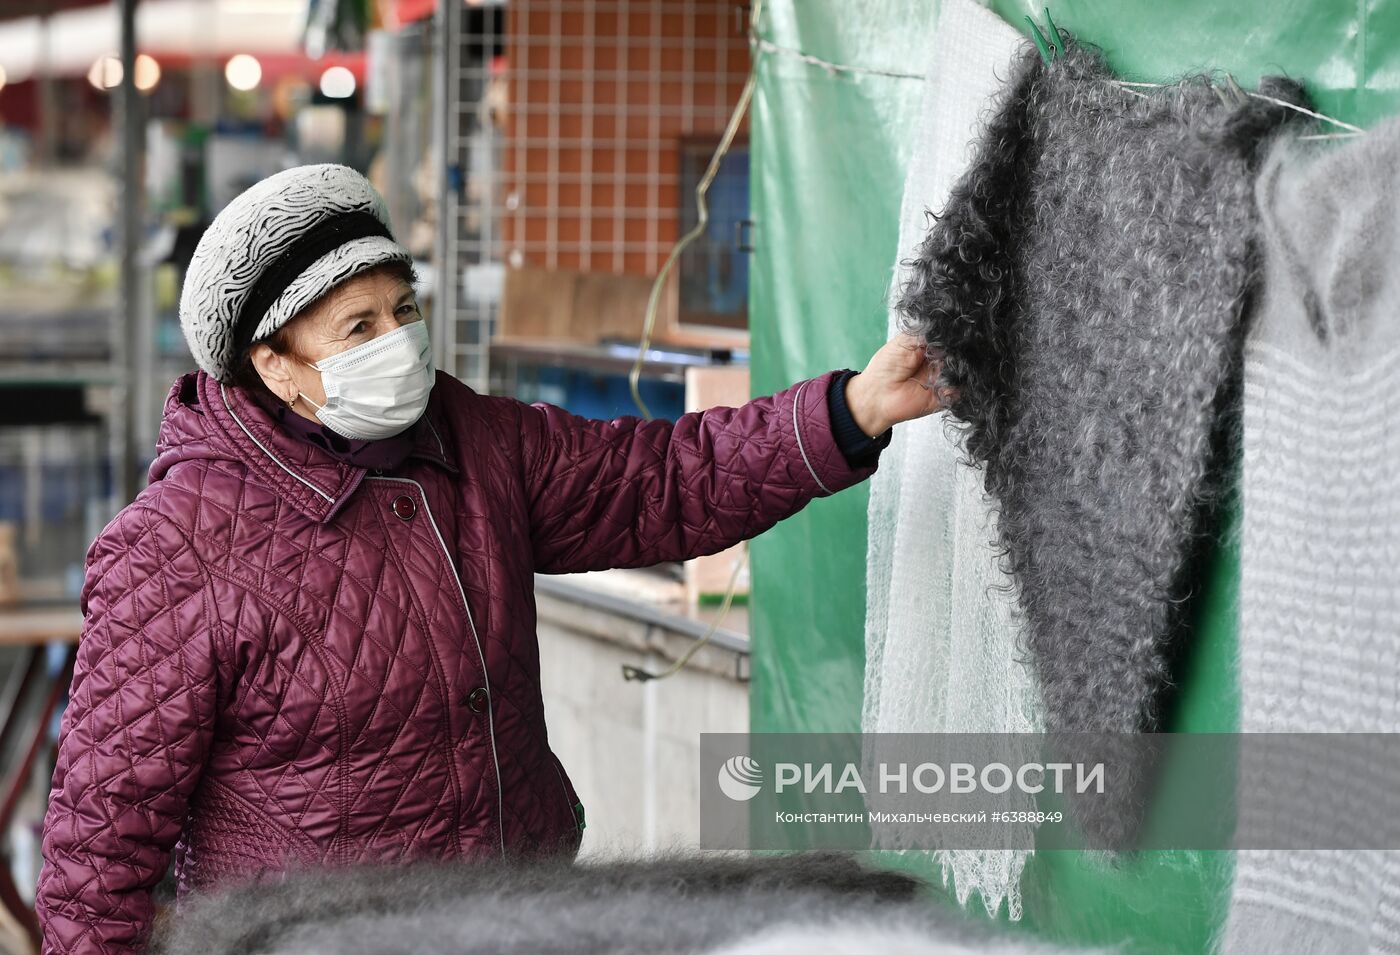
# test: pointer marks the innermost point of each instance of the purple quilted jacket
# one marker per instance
(288, 661)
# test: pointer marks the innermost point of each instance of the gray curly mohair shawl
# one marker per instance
(1085, 284)
(678, 903)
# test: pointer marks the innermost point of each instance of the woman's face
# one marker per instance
(361, 308)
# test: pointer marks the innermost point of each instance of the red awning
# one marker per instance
(409, 10)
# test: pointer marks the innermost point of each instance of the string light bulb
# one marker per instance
(243, 72)
(337, 83)
(147, 72)
(106, 73)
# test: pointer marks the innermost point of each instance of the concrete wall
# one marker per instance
(632, 748)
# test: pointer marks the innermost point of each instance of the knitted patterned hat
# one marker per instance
(274, 250)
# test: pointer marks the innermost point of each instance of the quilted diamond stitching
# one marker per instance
(332, 715)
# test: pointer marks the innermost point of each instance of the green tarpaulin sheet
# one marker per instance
(829, 153)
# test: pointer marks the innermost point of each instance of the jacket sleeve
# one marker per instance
(630, 493)
(857, 447)
(133, 738)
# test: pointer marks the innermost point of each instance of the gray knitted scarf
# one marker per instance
(1319, 582)
(1085, 284)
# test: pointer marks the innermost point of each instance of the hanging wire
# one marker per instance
(702, 220)
(1353, 130)
(835, 68)
(630, 672)
(736, 117)
(767, 46)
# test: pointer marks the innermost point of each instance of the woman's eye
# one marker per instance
(359, 329)
(407, 308)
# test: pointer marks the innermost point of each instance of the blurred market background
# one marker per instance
(539, 159)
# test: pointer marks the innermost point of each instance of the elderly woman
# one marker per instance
(311, 639)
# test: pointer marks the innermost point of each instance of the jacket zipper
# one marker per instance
(485, 677)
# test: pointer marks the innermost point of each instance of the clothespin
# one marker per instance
(1241, 97)
(1049, 48)
(1230, 92)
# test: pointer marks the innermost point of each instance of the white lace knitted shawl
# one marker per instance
(941, 637)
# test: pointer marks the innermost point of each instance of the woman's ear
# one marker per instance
(275, 371)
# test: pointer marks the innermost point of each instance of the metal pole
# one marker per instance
(45, 153)
(130, 353)
(446, 16)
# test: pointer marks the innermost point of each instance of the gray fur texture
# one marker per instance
(680, 903)
(1084, 286)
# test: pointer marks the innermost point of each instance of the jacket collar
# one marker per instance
(317, 483)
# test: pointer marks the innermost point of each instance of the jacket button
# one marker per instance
(477, 699)
(404, 508)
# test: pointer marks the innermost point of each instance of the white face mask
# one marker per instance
(380, 388)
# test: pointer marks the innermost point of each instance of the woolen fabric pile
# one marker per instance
(1085, 284)
(673, 904)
